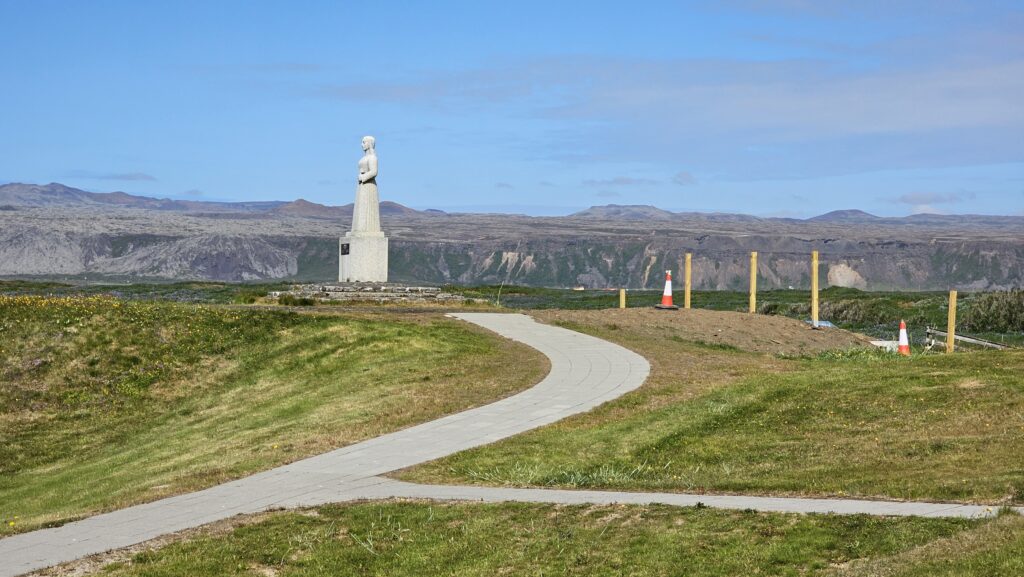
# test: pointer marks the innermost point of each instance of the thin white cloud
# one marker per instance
(620, 181)
(683, 178)
(924, 199)
(125, 176)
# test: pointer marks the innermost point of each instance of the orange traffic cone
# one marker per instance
(666, 297)
(904, 347)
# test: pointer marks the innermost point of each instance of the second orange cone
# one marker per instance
(666, 297)
(904, 343)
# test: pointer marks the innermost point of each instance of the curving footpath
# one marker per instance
(585, 372)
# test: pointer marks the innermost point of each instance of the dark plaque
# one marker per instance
(344, 249)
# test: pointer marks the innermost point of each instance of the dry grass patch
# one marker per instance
(994, 548)
(971, 384)
(754, 333)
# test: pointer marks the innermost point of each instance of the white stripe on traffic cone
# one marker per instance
(666, 297)
(904, 347)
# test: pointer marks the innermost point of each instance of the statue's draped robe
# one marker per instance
(366, 212)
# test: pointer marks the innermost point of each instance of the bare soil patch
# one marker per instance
(971, 384)
(756, 333)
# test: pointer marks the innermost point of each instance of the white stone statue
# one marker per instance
(366, 212)
(363, 251)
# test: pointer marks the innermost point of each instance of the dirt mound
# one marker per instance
(759, 333)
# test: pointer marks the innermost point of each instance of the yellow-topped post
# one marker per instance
(753, 281)
(814, 289)
(622, 298)
(686, 279)
(951, 323)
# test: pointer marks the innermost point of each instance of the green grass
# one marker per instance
(737, 300)
(186, 291)
(992, 315)
(990, 550)
(106, 402)
(534, 298)
(932, 427)
(396, 539)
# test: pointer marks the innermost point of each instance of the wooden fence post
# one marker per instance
(753, 282)
(686, 279)
(622, 298)
(951, 323)
(814, 289)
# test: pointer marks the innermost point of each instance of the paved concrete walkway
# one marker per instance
(585, 372)
(389, 488)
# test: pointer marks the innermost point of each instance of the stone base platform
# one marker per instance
(363, 258)
(373, 292)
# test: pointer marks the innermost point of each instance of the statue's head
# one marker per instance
(369, 142)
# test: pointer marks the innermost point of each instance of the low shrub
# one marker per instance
(248, 297)
(1001, 312)
(294, 301)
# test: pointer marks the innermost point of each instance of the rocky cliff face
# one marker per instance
(720, 263)
(43, 235)
(723, 264)
(40, 252)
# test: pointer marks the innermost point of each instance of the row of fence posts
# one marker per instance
(687, 284)
(753, 285)
(950, 323)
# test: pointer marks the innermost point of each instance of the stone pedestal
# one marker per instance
(363, 257)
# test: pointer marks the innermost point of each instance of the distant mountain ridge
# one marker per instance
(56, 194)
(306, 209)
(626, 212)
(848, 216)
(16, 195)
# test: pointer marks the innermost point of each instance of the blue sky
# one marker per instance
(781, 107)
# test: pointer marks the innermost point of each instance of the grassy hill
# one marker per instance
(117, 400)
(714, 417)
(106, 402)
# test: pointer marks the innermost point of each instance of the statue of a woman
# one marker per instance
(366, 212)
